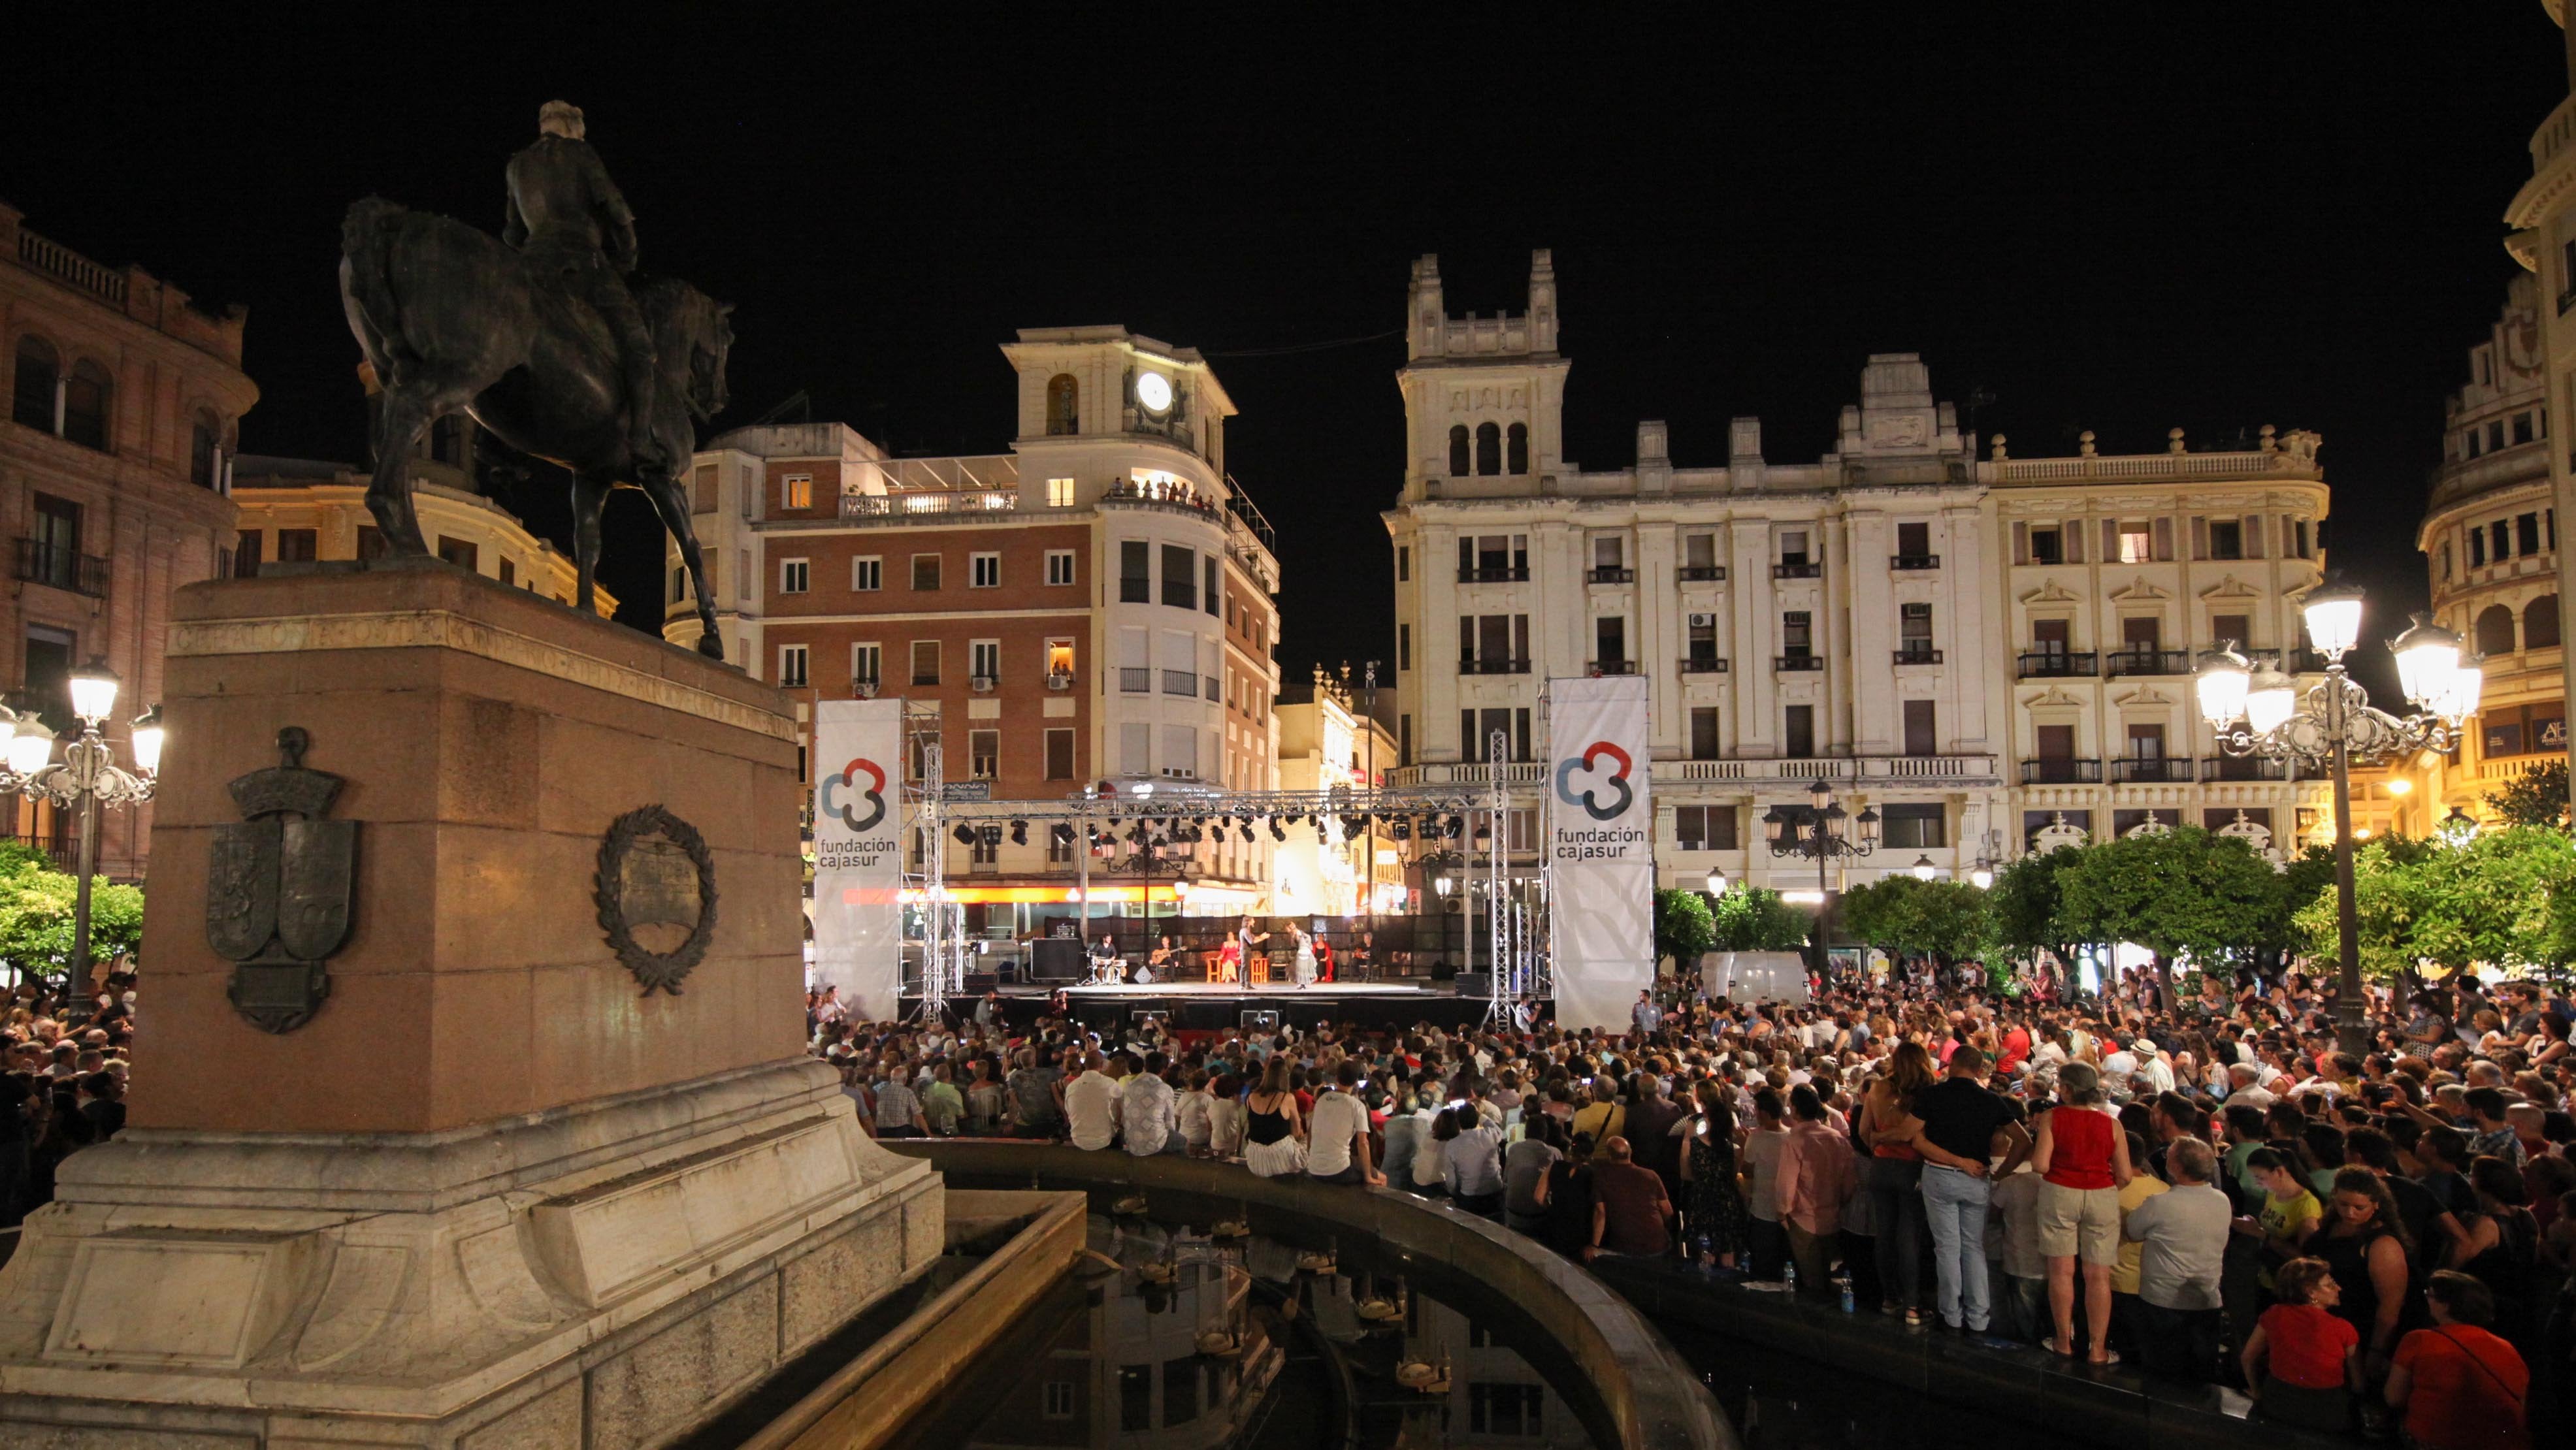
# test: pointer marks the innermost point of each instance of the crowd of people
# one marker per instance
(62, 1082)
(2212, 1189)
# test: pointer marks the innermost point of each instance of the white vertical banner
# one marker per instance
(858, 853)
(1601, 850)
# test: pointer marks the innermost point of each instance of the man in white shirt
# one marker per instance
(1148, 1111)
(1091, 1105)
(2240, 1076)
(1337, 1144)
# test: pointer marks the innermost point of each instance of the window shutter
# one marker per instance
(2110, 541)
(2072, 531)
(2164, 540)
(2199, 536)
(2021, 543)
(1466, 636)
(2253, 530)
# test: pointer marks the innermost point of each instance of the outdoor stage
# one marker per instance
(1210, 1007)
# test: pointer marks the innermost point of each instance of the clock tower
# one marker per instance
(1484, 397)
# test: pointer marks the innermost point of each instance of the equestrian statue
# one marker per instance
(539, 338)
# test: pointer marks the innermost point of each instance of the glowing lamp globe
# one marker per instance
(93, 688)
(1717, 883)
(31, 746)
(2334, 619)
(2222, 688)
(1923, 868)
(1982, 878)
(2427, 656)
(148, 735)
(2270, 696)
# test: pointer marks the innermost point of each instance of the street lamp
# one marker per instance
(87, 779)
(2455, 829)
(2259, 712)
(1924, 870)
(1815, 830)
(1717, 881)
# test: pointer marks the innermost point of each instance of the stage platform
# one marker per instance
(1211, 1007)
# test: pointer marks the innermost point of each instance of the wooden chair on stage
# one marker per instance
(1256, 969)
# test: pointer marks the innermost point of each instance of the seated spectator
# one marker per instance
(1090, 1105)
(2302, 1365)
(2455, 1385)
(1631, 1213)
(1337, 1139)
(1274, 1145)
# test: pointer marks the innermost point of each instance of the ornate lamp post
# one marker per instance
(2259, 712)
(1815, 830)
(87, 778)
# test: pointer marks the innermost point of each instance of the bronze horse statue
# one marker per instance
(451, 320)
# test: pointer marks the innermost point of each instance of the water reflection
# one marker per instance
(1182, 1340)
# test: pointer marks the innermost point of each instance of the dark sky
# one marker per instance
(2121, 218)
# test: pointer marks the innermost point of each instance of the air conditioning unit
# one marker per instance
(984, 684)
(1703, 621)
(1060, 680)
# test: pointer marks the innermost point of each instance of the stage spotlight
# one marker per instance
(1198, 820)
(992, 835)
(1400, 829)
(964, 833)
(1060, 833)
(1019, 833)
(1457, 827)
(1277, 834)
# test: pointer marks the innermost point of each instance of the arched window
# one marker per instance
(1064, 405)
(203, 435)
(86, 394)
(1489, 448)
(2540, 623)
(32, 399)
(1458, 450)
(1516, 448)
(2495, 630)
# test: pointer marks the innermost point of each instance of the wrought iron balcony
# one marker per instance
(2156, 770)
(2147, 662)
(1807, 570)
(1917, 654)
(42, 563)
(1798, 662)
(1609, 576)
(1495, 575)
(1135, 680)
(2061, 772)
(1472, 666)
(1703, 665)
(2060, 664)
(1914, 561)
(2251, 767)
(1184, 683)
(1612, 667)
(1702, 573)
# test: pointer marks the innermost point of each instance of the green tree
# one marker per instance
(1684, 928)
(2025, 908)
(1755, 919)
(2534, 798)
(37, 916)
(1944, 920)
(2502, 900)
(2178, 892)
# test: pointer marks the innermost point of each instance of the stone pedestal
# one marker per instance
(491, 1194)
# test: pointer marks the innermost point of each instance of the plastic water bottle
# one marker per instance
(1789, 1277)
(1848, 1306)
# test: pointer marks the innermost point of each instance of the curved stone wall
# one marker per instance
(1647, 1397)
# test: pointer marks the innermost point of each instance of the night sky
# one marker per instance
(2214, 217)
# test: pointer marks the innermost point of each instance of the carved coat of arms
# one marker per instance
(279, 887)
(656, 894)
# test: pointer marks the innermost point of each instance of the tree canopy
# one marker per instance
(1755, 919)
(1941, 919)
(1684, 927)
(2178, 892)
(2506, 899)
(36, 916)
(2537, 797)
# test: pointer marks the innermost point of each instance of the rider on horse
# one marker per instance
(568, 219)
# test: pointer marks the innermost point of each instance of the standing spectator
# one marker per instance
(1817, 1175)
(1337, 1140)
(2363, 1243)
(1718, 1221)
(2182, 1238)
(1894, 1183)
(1647, 1015)
(2502, 1247)
(1652, 1139)
(1631, 1214)
(2084, 1161)
(1762, 1149)
(1956, 1122)
(2127, 1322)
(2020, 1310)
(2458, 1386)
(1090, 1105)
(2302, 1362)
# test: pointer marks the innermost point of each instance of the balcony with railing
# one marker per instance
(1908, 562)
(40, 562)
(2249, 767)
(1793, 663)
(1494, 665)
(2151, 770)
(2055, 771)
(1805, 569)
(64, 265)
(1495, 574)
(1917, 653)
(2059, 665)
(2147, 662)
(1135, 679)
(1701, 573)
(1184, 683)
(1609, 576)
(1215, 689)
(1611, 667)
(1703, 665)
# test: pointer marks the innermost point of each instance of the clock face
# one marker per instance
(1154, 391)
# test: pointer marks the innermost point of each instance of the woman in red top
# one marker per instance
(2302, 1364)
(2082, 1158)
(2458, 1386)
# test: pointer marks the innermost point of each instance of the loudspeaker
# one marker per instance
(979, 983)
(1475, 984)
(1055, 959)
